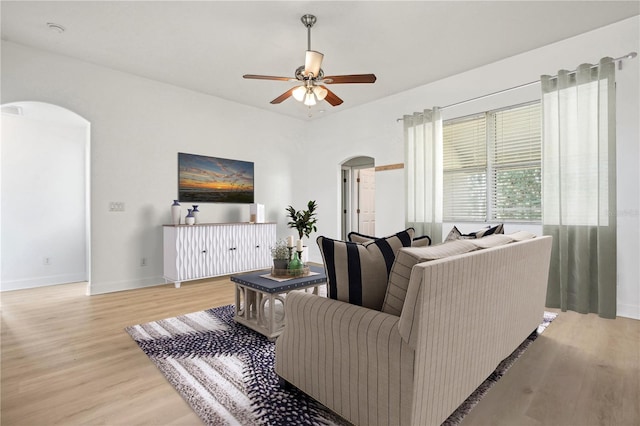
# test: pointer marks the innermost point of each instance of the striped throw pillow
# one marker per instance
(356, 237)
(359, 273)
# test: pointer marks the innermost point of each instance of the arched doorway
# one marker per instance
(45, 203)
(358, 196)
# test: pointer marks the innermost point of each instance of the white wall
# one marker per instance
(43, 200)
(372, 130)
(137, 128)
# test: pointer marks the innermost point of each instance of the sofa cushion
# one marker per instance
(491, 241)
(406, 259)
(359, 273)
(356, 237)
(522, 235)
(455, 234)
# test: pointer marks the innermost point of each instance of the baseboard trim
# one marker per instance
(115, 286)
(628, 311)
(26, 283)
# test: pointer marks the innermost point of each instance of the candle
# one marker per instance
(299, 245)
(290, 241)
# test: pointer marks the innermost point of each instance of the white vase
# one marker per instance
(175, 212)
(189, 219)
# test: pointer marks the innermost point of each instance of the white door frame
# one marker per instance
(348, 191)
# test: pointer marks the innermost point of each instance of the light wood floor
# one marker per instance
(67, 360)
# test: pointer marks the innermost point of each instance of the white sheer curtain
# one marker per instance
(423, 173)
(579, 187)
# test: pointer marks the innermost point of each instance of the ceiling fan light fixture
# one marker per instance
(312, 63)
(309, 99)
(299, 93)
(320, 92)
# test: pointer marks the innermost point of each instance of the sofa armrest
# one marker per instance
(349, 358)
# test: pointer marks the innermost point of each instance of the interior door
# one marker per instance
(366, 201)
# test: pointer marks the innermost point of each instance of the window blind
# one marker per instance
(465, 168)
(515, 148)
(491, 166)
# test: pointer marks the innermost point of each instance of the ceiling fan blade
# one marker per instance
(312, 62)
(267, 77)
(353, 78)
(332, 98)
(286, 95)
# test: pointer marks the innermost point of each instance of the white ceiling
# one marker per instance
(207, 46)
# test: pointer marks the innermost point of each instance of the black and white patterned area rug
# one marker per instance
(225, 371)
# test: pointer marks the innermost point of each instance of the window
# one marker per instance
(492, 168)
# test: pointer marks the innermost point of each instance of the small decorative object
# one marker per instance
(196, 214)
(189, 219)
(175, 212)
(300, 251)
(256, 213)
(280, 254)
(304, 221)
(296, 266)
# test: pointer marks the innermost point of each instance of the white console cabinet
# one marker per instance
(206, 250)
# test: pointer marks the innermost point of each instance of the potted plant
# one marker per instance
(304, 221)
(280, 254)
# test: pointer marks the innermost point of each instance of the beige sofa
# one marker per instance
(461, 316)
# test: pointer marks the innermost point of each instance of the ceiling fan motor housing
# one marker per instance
(300, 75)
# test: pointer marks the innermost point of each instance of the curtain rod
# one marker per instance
(630, 55)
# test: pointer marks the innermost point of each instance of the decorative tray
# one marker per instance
(303, 272)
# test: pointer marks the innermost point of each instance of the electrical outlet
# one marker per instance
(143, 261)
(116, 206)
(46, 261)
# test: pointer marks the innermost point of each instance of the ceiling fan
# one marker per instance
(312, 78)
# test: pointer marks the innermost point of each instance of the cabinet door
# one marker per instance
(254, 246)
(264, 237)
(226, 249)
(245, 238)
(194, 252)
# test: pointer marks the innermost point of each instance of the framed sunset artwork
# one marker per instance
(214, 180)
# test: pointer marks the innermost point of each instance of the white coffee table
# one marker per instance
(260, 301)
